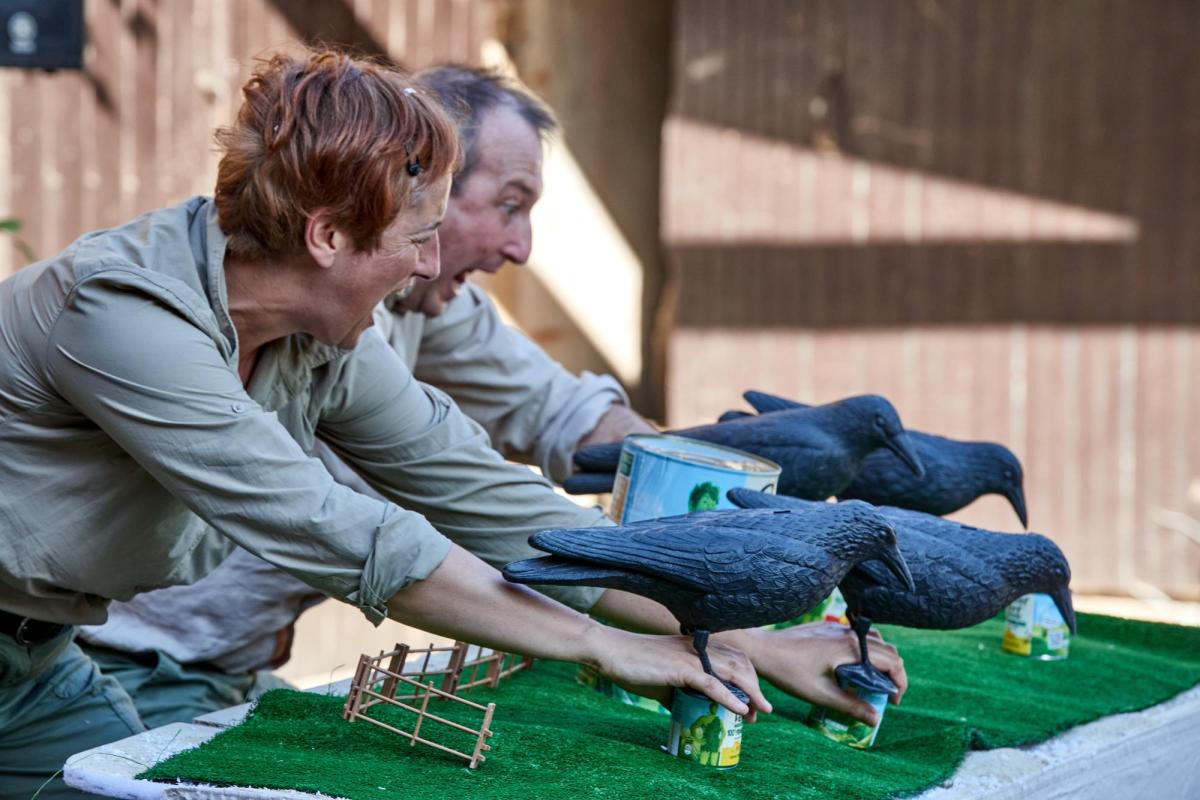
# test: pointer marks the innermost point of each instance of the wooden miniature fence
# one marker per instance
(498, 665)
(460, 673)
(362, 696)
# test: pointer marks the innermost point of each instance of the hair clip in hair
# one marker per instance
(414, 168)
(409, 90)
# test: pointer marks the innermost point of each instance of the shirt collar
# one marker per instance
(288, 360)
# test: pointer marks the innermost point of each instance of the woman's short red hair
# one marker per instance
(326, 132)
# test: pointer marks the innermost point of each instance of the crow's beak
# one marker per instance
(901, 445)
(895, 563)
(1062, 598)
(1016, 496)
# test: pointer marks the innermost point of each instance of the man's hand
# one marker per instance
(801, 660)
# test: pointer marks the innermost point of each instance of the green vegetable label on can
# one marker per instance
(1034, 627)
(704, 731)
(846, 729)
(873, 688)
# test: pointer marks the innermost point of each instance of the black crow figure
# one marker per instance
(956, 473)
(720, 570)
(820, 449)
(961, 575)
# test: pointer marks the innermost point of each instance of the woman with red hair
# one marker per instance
(162, 384)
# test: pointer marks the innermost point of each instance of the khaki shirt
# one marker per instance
(135, 459)
(533, 409)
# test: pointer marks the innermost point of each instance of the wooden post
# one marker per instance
(425, 663)
(494, 669)
(485, 731)
(421, 715)
(396, 666)
(454, 667)
(355, 696)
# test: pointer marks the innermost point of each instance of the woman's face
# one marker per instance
(408, 253)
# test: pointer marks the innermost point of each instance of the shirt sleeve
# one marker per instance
(158, 385)
(533, 409)
(413, 445)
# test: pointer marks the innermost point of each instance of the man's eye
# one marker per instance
(511, 208)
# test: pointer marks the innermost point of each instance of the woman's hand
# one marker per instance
(464, 598)
(801, 660)
(650, 665)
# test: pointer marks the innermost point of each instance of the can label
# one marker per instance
(846, 729)
(835, 608)
(704, 731)
(663, 476)
(621, 483)
(590, 677)
(1034, 627)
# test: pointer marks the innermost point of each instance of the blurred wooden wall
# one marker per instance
(984, 211)
(87, 149)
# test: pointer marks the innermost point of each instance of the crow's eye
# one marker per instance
(880, 422)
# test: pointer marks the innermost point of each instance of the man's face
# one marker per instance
(487, 220)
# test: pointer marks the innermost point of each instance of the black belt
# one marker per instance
(28, 631)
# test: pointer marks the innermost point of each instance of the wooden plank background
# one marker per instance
(133, 130)
(984, 211)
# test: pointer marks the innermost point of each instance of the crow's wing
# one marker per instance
(751, 498)
(765, 403)
(599, 457)
(589, 483)
(556, 570)
(703, 558)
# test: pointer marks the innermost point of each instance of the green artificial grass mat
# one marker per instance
(556, 739)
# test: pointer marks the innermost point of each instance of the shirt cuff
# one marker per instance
(397, 541)
(555, 451)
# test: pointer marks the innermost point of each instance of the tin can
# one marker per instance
(704, 731)
(1034, 627)
(590, 677)
(663, 476)
(871, 686)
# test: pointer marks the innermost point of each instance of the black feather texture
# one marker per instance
(820, 449)
(718, 570)
(961, 575)
(956, 472)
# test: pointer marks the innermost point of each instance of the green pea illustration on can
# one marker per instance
(1034, 627)
(705, 732)
(871, 686)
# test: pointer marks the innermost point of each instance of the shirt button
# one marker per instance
(237, 408)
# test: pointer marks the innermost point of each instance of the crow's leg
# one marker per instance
(700, 642)
(861, 626)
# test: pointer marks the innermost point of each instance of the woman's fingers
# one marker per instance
(736, 667)
(849, 703)
(715, 690)
(648, 665)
